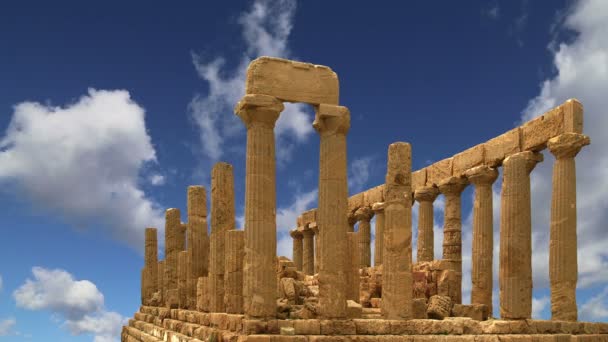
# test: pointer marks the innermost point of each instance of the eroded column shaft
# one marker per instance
(426, 236)
(397, 258)
(174, 243)
(198, 240)
(297, 248)
(233, 274)
(150, 263)
(515, 273)
(315, 229)
(182, 274)
(353, 272)
(364, 216)
(308, 252)
(378, 209)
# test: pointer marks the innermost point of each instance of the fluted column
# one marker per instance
(173, 245)
(198, 254)
(378, 209)
(353, 272)
(452, 188)
(259, 113)
(482, 177)
(161, 280)
(515, 273)
(563, 265)
(182, 275)
(315, 229)
(297, 248)
(308, 252)
(397, 256)
(332, 123)
(222, 220)
(426, 236)
(364, 216)
(150, 264)
(233, 274)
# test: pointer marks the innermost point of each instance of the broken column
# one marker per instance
(233, 274)
(332, 123)
(182, 274)
(308, 252)
(150, 264)
(515, 272)
(353, 271)
(222, 220)
(563, 266)
(297, 236)
(315, 229)
(482, 177)
(397, 258)
(378, 209)
(426, 236)
(452, 188)
(364, 216)
(174, 243)
(198, 241)
(259, 113)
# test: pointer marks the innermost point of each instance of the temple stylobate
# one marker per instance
(231, 285)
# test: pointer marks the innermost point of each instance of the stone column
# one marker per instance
(182, 275)
(161, 280)
(515, 273)
(315, 229)
(451, 188)
(173, 245)
(197, 239)
(143, 286)
(151, 263)
(332, 123)
(563, 266)
(233, 275)
(482, 177)
(222, 220)
(353, 276)
(260, 113)
(364, 216)
(378, 209)
(426, 236)
(397, 256)
(297, 248)
(308, 254)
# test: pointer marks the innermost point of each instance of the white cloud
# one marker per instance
(358, 174)
(265, 28)
(83, 161)
(539, 305)
(493, 12)
(78, 301)
(287, 217)
(156, 179)
(6, 326)
(596, 308)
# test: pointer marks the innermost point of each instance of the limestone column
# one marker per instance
(173, 245)
(151, 263)
(364, 216)
(397, 256)
(197, 239)
(182, 275)
(233, 275)
(378, 209)
(315, 229)
(308, 253)
(353, 276)
(332, 123)
(260, 113)
(426, 236)
(222, 220)
(563, 266)
(297, 248)
(161, 281)
(451, 188)
(482, 177)
(144, 286)
(515, 273)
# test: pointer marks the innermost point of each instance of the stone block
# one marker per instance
(253, 326)
(307, 327)
(467, 159)
(439, 307)
(372, 326)
(418, 179)
(309, 216)
(376, 302)
(373, 195)
(353, 309)
(502, 146)
(478, 312)
(438, 171)
(338, 327)
(419, 308)
(536, 132)
(356, 201)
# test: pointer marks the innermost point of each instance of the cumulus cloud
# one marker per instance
(539, 305)
(83, 161)
(265, 28)
(358, 174)
(596, 308)
(78, 301)
(6, 326)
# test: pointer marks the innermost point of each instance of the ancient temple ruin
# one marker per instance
(230, 285)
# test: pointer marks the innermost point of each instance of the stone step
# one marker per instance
(131, 334)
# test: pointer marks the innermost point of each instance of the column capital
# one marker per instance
(364, 214)
(530, 158)
(426, 194)
(378, 207)
(306, 232)
(314, 227)
(567, 145)
(452, 185)
(331, 119)
(296, 234)
(482, 174)
(352, 219)
(259, 109)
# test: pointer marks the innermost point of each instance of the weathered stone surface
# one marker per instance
(438, 171)
(174, 243)
(292, 81)
(373, 195)
(419, 308)
(378, 209)
(353, 264)
(504, 145)
(467, 159)
(182, 274)
(418, 179)
(353, 309)
(308, 217)
(233, 271)
(297, 247)
(364, 216)
(198, 240)
(355, 202)
(150, 286)
(439, 307)
(308, 251)
(478, 312)
(426, 237)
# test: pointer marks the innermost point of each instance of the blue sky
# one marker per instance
(108, 111)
